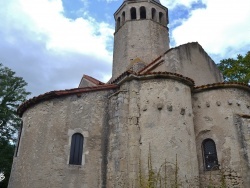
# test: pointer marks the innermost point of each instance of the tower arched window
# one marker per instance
(166, 17)
(118, 23)
(210, 155)
(153, 14)
(133, 13)
(161, 17)
(123, 18)
(143, 13)
(76, 149)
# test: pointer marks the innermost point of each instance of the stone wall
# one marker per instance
(166, 123)
(156, 118)
(43, 155)
(156, 113)
(117, 169)
(192, 61)
(219, 115)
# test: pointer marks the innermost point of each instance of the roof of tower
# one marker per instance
(158, 1)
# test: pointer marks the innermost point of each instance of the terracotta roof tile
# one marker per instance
(150, 64)
(101, 86)
(93, 80)
(54, 94)
(170, 74)
(128, 73)
(222, 85)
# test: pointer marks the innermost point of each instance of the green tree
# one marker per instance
(6, 158)
(12, 94)
(236, 69)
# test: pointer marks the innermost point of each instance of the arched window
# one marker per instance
(210, 155)
(142, 13)
(153, 12)
(161, 17)
(76, 149)
(118, 23)
(133, 13)
(167, 17)
(123, 18)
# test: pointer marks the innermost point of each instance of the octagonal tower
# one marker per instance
(141, 33)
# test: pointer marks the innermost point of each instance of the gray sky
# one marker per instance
(52, 43)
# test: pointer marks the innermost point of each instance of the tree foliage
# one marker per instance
(12, 94)
(236, 69)
(6, 158)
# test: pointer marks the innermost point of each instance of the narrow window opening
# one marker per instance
(123, 18)
(118, 23)
(167, 17)
(210, 155)
(19, 138)
(133, 13)
(161, 17)
(142, 13)
(76, 149)
(153, 12)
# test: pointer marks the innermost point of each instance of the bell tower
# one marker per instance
(141, 33)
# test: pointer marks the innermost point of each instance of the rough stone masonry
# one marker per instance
(165, 111)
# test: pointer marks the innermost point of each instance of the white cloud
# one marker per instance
(109, 1)
(49, 50)
(52, 52)
(81, 35)
(173, 3)
(221, 26)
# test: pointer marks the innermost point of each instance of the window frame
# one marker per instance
(123, 17)
(153, 14)
(143, 13)
(161, 18)
(210, 158)
(133, 13)
(118, 23)
(76, 149)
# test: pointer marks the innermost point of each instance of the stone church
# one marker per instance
(165, 111)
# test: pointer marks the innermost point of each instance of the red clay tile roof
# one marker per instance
(126, 73)
(155, 62)
(93, 80)
(153, 66)
(154, 75)
(112, 85)
(222, 85)
(150, 64)
(60, 93)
